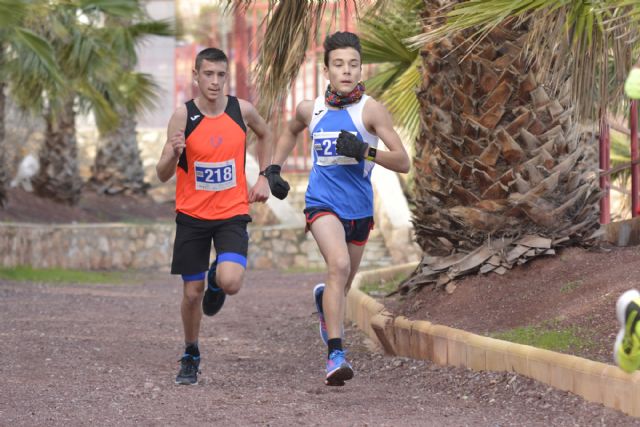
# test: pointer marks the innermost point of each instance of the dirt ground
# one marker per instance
(106, 354)
(576, 290)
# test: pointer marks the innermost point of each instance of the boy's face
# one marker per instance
(344, 70)
(211, 78)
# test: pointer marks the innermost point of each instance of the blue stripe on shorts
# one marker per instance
(194, 277)
(232, 257)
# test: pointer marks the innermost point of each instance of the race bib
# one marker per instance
(215, 176)
(324, 145)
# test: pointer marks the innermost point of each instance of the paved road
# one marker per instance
(106, 355)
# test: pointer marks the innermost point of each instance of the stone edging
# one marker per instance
(595, 381)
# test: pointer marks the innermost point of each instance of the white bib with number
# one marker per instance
(324, 145)
(215, 176)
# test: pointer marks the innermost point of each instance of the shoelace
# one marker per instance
(337, 353)
(188, 364)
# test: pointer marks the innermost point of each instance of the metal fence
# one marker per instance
(246, 30)
(605, 164)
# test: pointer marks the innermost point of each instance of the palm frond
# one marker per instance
(136, 92)
(290, 24)
(124, 37)
(384, 77)
(124, 8)
(382, 34)
(41, 51)
(140, 30)
(620, 154)
(92, 99)
(12, 13)
(568, 39)
(283, 49)
(400, 98)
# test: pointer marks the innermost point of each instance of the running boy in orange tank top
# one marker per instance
(206, 149)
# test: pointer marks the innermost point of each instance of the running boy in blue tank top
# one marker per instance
(345, 126)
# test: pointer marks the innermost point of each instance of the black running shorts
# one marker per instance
(192, 245)
(356, 230)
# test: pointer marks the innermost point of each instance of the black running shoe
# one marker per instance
(188, 374)
(214, 296)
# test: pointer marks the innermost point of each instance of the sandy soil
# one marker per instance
(106, 355)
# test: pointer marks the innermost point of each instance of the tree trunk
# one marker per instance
(3, 167)
(59, 177)
(118, 166)
(502, 172)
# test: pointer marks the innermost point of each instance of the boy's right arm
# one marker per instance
(174, 146)
(287, 139)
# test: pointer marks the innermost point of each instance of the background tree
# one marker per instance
(118, 166)
(17, 40)
(78, 32)
(504, 168)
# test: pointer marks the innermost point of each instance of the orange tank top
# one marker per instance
(210, 175)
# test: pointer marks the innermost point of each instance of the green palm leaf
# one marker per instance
(123, 8)
(385, 75)
(569, 38)
(11, 13)
(382, 34)
(95, 101)
(290, 25)
(136, 92)
(40, 50)
(125, 38)
(400, 98)
(620, 154)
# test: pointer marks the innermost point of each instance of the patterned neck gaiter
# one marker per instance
(334, 99)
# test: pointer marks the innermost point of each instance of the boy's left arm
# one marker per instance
(264, 146)
(377, 119)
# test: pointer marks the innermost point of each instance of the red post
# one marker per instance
(253, 44)
(605, 202)
(635, 168)
(192, 66)
(241, 54)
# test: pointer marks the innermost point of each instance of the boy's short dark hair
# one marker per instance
(340, 40)
(210, 54)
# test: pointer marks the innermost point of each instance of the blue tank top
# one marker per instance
(340, 183)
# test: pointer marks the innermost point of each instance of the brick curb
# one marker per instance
(595, 381)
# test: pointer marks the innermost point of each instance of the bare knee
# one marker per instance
(192, 295)
(339, 269)
(230, 285)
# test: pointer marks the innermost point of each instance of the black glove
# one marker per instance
(279, 187)
(349, 145)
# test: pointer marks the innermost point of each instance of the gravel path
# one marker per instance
(106, 355)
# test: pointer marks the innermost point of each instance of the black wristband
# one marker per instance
(371, 155)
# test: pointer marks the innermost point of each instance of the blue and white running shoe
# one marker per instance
(338, 369)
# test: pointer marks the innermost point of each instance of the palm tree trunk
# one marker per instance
(502, 172)
(59, 178)
(118, 166)
(3, 168)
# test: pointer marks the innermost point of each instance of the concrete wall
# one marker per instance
(136, 246)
